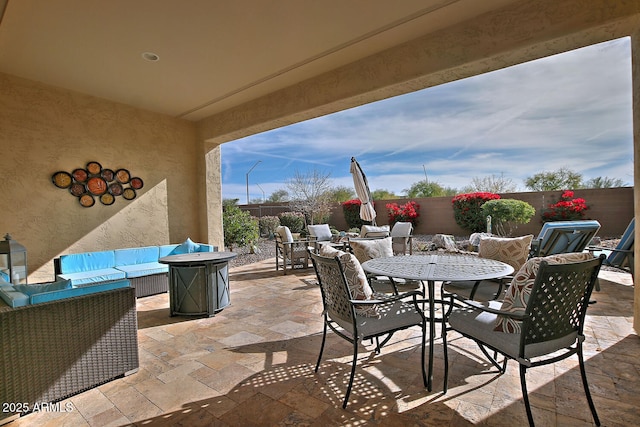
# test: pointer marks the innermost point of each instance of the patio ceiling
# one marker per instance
(213, 54)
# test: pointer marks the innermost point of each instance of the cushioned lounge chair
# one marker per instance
(290, 253)
(622, 255)
(560, 237)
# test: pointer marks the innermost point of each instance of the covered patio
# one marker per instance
(253, 364)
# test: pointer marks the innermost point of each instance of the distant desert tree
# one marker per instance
(279, 196)
(310, 194)
(604, 182)
(341, 194)
(426, 188)
(491, 184)
(383, 195)
(561, 179)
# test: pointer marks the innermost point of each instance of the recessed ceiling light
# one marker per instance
(150, 56)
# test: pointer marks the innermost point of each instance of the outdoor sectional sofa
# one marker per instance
(139, 265)
(59, 340)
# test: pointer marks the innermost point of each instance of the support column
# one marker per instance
(213, 197)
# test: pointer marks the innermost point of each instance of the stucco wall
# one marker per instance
(46, 129)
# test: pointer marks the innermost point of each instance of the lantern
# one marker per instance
(13, 261)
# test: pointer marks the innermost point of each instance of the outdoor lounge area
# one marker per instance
(253, 364)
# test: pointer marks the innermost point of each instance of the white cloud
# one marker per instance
(571, 110)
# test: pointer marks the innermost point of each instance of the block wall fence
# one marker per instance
(613, 207)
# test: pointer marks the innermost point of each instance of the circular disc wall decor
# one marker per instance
(107, 199)
(80, 175)
(94, 168)
(129, 194)
(123, 176)
(107, 174)
(77, 189)
(87, 200)
(115, 189)
(93, 181)
(62, 179)
(97, 186)
(136, 183)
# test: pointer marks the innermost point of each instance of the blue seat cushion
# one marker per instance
(139, 270)
(78, 291)
(12, 297)
(136, 255)
(89, 261)
(92, 276)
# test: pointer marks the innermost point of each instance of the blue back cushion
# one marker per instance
(136, 255)
(166, 250)
(87, 261)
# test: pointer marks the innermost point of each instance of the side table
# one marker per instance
(198, 282)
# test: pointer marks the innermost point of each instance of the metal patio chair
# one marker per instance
(342, 301)
(548, 329)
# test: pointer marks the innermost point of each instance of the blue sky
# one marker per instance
(571, 110)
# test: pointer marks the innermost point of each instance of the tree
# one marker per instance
(491, 184)
(425, 188)
(341, 194)
(383, 195)
(310, 194)
(561, 179)
(278, 196)
(604, 182)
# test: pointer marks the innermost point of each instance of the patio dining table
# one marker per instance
(433, 268)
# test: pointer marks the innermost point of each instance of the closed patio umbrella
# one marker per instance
(367, 212)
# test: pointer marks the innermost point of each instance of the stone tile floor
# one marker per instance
(252, 364)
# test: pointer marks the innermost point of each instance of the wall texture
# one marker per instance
(46, 129)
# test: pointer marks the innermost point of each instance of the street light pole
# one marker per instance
(248, 172)
(262, 191)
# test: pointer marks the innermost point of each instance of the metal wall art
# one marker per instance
(96, 182)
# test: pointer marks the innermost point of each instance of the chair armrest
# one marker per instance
(386, 300)
(479, 306)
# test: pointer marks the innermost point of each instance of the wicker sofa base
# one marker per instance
(54, 350)
(150, 285)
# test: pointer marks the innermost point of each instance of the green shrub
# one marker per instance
(351, 210)
(268, 225)
(240, 228)
(506, 214)
(293, 220)
(467, 210)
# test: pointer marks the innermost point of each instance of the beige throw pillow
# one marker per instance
(356, 279)
(519, 291)
(365, 250)
(513, 251)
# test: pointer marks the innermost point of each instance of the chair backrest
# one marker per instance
(319, 232)
(561, 237)
(283, 235)
(334, 288)
(558, 302)
(617, 258)
(401, 229)
(373, 231)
